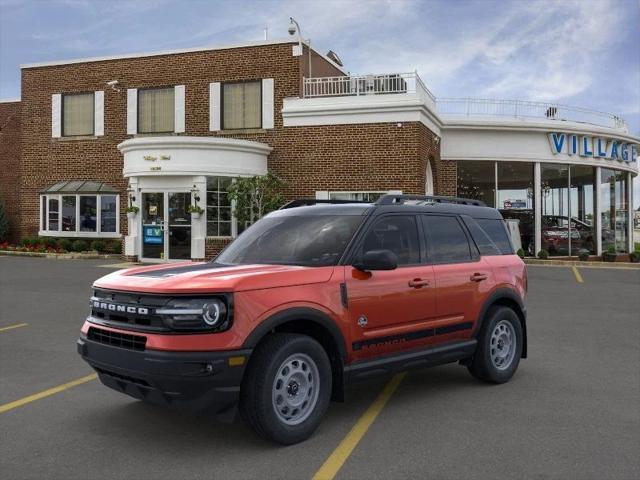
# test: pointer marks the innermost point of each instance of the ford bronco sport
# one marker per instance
(310, 298)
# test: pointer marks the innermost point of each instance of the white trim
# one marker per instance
(214, 107)
(10, 100)
(537, 208)
(630, 210)
(179, 111)
(155, 54)
(44, 224)
(598, 212)
(56, 115)
(322, 195)
(428, 184)
(268, 107)
(98, 113)
(132, 111)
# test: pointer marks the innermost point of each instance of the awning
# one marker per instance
(80, 186)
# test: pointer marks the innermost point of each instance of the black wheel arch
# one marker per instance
(316, 324)
(508, 298)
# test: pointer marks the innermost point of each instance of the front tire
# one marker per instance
(287, 387)
(499, 346)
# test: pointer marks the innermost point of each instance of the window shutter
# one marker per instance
(56, 115)
(214, 106)
(132, 111)
(98, 112)
(179, 108)
(267, 103)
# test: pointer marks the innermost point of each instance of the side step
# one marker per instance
(425, 357)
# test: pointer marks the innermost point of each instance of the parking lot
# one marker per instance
(571, 411)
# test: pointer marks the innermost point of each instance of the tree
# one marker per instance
(4, 222)
(256, 196)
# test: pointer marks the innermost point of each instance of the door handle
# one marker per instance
(478, 277)
(418, 283)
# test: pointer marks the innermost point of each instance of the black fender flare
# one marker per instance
(295, 314)
(495, 297)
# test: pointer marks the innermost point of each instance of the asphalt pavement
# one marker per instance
(572, 411)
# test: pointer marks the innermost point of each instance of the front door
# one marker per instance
(389, 308)
(166, 226)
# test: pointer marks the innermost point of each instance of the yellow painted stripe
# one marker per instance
(11, 327)
(46, 393)
(577, 274)
(335, 461)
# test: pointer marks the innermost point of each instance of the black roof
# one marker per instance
(388, 204)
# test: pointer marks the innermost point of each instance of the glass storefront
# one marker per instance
(614, 210)
(568, 202)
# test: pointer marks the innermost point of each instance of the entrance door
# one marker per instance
(166, 226)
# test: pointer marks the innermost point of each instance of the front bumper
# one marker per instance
(199, 382)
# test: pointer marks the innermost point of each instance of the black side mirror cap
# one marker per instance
(377, 260)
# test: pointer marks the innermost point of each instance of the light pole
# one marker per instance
(294, 28)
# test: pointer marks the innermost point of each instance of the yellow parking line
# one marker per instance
(11, 327)
(46, 393)
(332, 465)
(577, 274)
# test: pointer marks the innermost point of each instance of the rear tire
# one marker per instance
(286, 389)
(499, 346)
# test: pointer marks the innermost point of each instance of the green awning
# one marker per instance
(80, 186)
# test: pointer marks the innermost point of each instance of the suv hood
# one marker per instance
(192, 277)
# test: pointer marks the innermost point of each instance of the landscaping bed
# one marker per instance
(63, 248)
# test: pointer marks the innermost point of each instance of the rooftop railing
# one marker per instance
(399, 83)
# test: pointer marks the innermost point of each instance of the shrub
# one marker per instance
(79, 246)
(48, 242)
(520, 253)
(65, 244)
(4, 223)
(611, 249)
(543, 254)
(115, 246)
(98, 246)
(583, 254)
(635, 256)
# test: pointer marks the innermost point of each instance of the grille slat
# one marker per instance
(117, 339)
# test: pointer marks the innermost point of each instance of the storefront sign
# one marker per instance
(152, 235)
(596, 147)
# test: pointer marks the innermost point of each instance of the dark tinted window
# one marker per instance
(396, 233)
(481, 239)
(446, 240)
(497, 232)
(316, 240)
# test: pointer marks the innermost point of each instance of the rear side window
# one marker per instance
(446, 240)
(396, 233)
(497, 232)
(480, 237)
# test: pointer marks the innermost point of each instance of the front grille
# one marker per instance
(147, 321)
(117, 339)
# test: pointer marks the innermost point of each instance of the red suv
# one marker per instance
(310, 298)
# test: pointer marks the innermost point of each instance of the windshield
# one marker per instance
(314, 240)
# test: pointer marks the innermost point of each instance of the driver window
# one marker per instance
(398, 234)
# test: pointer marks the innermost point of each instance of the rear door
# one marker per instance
(387, 309)
(462, 277)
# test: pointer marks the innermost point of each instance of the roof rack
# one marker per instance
(304, 202)
(427, 200)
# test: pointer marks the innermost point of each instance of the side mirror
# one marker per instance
(377, 260)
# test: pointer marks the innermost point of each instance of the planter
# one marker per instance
(196, 215)
(131, 216)
(609, 257)
(634, 257)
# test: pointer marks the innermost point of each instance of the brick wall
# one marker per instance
(10, 162)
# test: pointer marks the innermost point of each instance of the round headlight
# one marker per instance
(213, 312)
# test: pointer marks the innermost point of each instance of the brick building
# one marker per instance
(162, 131)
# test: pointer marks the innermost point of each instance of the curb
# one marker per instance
(575, 263)
(62, 256)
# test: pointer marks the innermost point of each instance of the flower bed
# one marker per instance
(63, 245)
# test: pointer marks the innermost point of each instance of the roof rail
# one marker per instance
(304, 202)
(427, 200)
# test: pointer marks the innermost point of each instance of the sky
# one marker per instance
(577, 52)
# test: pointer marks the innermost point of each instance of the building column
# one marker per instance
(537, 208)
(132, 239)
(598, 211)
(199, 225)
(630, 212)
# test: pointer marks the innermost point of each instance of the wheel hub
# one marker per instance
(295, 389)
(503, 345)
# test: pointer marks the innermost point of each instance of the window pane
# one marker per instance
(315, 240)
(497, 232)
(516, 199)
(69, 213)
(398, 234)
(555, 209)
(53, 214)
(477, 180)
(582, 203)
(108, 213)
(218, 207)
(447, 241)
(77, 114)
(88, 212)
(156, 110)
(613, 195)
(242, 105)
(481, 238)
(43, 212)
